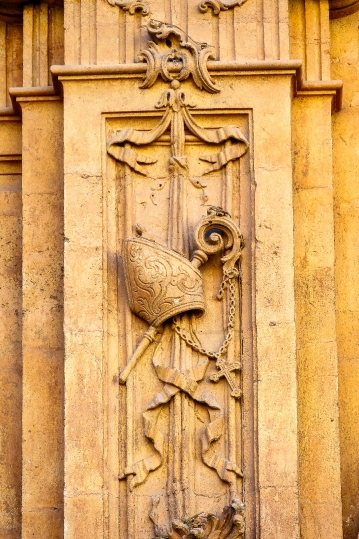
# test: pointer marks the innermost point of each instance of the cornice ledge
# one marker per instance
(216, 68)
(8, 113)
(275, 67)
(321, 87)
(21, 93)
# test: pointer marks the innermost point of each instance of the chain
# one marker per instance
(228, 281)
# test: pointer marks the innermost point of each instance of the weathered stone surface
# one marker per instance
(346, 160)
(123, 414)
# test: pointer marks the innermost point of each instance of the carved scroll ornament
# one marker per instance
(218, 5)
(132, 6)
(174, 55)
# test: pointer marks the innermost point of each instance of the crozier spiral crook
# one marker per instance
(217, 232)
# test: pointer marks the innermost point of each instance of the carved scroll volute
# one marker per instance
(174, 56)
(218, 232)
(218, 5)
(132, 6)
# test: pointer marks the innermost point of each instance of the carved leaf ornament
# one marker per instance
(229, 524)
(160, 283)
(132, 6)
(174, 55)
(139, 5)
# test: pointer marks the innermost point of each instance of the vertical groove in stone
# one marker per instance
(43, 44)
(35, 46)
(325, 40)
(313, 48)
(56, 38)
(3, 74)
(88, 39)
(283, 23)
(271, 29)
(72, 24)
(112, 390)
(260, 30)
(122, 36)
(14, 55)
(297, 31)
(28, 19)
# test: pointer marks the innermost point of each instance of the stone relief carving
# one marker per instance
(165, 285)
(161, 284)
(174, 55)
(177, 116)
(132, 6)
(230, 524)
(139, 5)
(219, 6)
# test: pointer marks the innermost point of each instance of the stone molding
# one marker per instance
(342, 8)
(217, 69)
(259, 67)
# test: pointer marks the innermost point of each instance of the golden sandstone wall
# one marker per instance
(285, 74)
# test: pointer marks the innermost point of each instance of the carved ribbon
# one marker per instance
(174, 101)
(176, 381)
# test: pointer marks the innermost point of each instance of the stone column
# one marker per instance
(42, 338)
(346, 194)
(10, 335)
(319, 464)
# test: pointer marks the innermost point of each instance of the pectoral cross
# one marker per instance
(225, 369)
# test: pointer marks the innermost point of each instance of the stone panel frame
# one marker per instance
(90, 478)
(111, 171)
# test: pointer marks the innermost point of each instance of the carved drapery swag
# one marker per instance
(165, 288)
(174, 103)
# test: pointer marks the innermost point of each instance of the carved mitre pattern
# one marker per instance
(160, 282)
(174, 56)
